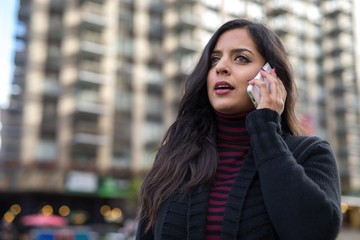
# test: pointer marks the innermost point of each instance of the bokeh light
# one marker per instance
(64, 211)
(47, 210)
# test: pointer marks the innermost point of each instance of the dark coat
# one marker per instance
(288, 188)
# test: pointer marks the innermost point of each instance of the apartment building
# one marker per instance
(87, 115)
(98, 83)
(319, 37)
(341, 81)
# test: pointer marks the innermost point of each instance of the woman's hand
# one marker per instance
(275, 99)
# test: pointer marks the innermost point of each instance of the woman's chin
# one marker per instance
(233, 110)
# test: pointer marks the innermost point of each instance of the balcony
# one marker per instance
(92, 14)
(92, 48)
(90, 139)
(92, 77)
(188, 44)
(90, 107)
(86, 127)
(189, 20)
(24, 11)
(20, 58)
(11, 132)
(11, 116)
(277, 8)
(93, 20)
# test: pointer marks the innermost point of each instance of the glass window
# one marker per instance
(235, 7)
(313, 13)
(212, 3)
(126, 1)
(255, 10)
(153, 131)
(299, 7)
(126, 18)
(211, 19)
(123, 159)
(124, 100)
(88, 93)
(125, 46)
(125, 72)
(187, 62)
(154, 76)
(278, 22)
(46, 150)
(154, 104)
(204, 38)
(148, 157)
(156, 26)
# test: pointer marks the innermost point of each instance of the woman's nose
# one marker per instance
(222, 67)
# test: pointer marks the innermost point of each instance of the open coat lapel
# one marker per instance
(198, 204)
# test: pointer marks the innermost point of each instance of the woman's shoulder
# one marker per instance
(302, 146)
(292, 139)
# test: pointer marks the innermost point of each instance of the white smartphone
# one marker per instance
(254, 91)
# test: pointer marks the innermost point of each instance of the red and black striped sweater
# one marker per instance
(233, 143)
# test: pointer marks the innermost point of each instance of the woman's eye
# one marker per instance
(242, 59)
(214, 60)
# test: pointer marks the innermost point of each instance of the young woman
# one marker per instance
(226, 170)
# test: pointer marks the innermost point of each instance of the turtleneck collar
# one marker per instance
(231, 128)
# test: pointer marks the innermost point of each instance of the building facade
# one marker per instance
(97, 83)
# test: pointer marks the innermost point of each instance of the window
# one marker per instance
(46, 150)
(156, 27)
(235, 7)
(212, 3)
(154, 104)
(122, 159)
(126, 18)
(125, 46)
(211, 19)
(154, 76)
(153, 131)
(256, 10)
(187, 62)
(124, 101)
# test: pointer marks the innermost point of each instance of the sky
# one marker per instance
(7, 27)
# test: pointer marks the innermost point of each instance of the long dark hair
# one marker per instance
(187, 157)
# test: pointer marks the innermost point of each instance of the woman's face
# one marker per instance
(234, 61)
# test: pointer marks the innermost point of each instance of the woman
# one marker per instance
(226, 170)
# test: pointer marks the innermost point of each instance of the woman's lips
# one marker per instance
(223, 87)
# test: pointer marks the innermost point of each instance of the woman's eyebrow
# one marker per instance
(240, 50)
(216, 52)
(236, 50)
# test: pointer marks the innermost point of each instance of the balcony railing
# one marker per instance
(90, 139)
(92, 48)
(89, 107)
(92, 77)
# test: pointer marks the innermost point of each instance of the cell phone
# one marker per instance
(254, 91)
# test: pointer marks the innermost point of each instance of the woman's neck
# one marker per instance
(231, 128)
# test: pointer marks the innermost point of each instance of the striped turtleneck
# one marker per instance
(233, 143)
